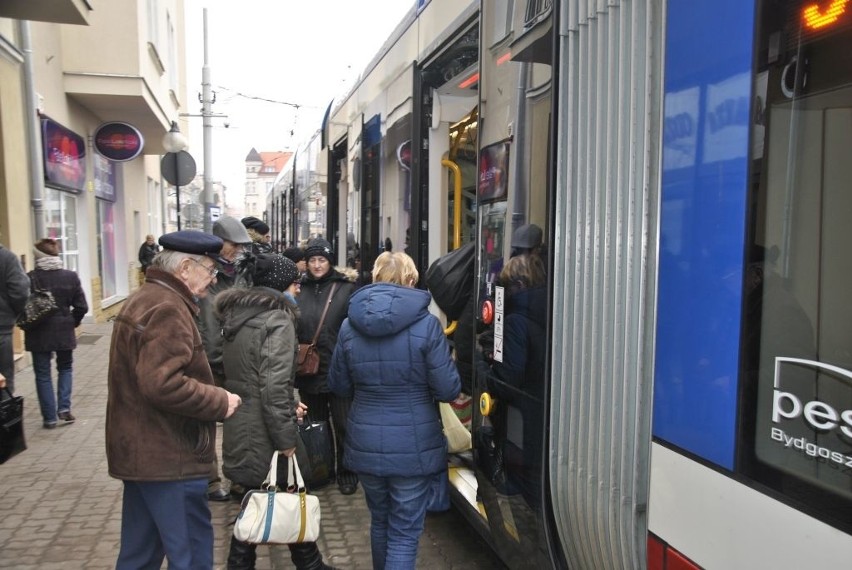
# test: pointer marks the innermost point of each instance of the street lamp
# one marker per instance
(177, 166)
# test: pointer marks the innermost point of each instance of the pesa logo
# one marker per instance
(819, 415)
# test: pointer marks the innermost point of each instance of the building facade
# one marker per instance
(67, 67)
(262, 169)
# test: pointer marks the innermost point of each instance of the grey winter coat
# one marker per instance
(208, 323)
(259, 354)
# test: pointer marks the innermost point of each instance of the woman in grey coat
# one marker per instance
(259, 355)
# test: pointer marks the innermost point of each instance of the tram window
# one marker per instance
(797, 332)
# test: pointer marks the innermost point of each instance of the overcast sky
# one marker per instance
(266, 53)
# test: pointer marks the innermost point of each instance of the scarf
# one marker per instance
(49, 263)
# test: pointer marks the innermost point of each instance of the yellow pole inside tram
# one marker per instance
(457, 216)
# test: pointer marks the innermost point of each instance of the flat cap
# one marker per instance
(230, 229)
(527, 236)
(194, 242)
(255, 224)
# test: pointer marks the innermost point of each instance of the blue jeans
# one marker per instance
(165, 519)
(398, 512)
(44, 384)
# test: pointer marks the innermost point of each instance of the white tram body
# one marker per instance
(686, 399)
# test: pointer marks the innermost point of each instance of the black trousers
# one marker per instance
(305, 556)
(328, 405)
(7, 359)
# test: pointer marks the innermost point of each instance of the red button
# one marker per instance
(487, 312)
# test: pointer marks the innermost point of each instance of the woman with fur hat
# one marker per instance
(56, 333)
(259, 329)
(324, 286)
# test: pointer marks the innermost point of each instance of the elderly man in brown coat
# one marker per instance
(162, 410)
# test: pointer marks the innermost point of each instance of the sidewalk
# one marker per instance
(61, 510)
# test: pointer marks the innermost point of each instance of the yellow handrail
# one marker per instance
(457, 216)
(457, 206)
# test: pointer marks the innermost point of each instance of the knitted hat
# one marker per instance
(319, 246)
(46, 248)
(274, 271)
(527, 237)
(294, 253)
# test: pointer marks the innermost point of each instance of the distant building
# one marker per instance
(261, 170)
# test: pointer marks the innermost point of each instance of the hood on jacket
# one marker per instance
(235, 307)
(383, 309)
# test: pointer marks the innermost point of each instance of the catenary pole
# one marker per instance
(206, 113)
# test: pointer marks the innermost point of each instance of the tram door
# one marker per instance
(513, 296)
(371, 141)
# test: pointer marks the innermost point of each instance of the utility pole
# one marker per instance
(207, 100)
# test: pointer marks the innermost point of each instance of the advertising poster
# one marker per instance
(64, 157)
(104, 175)
(493, 172)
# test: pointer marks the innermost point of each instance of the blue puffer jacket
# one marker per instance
(393, 359)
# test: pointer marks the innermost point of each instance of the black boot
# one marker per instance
(347, 482)
(241, 555)
(306, 556)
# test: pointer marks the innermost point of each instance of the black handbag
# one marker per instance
(11, 426)
(40, 306)
(315, 451)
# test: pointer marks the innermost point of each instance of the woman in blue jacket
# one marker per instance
(393, 360)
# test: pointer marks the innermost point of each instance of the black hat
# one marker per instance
(195, 242)
(255, 224)
(230, 229)
(275, 271)
(527, 236)
(297, 254)
(319, 246)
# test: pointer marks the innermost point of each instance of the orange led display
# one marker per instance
(504, 58)
(815, 18)
(469, 81)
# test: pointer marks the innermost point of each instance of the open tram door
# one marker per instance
(512, 284)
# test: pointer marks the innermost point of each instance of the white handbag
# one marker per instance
(271, 516)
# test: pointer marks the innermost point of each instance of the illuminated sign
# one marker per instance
(810, 20)
(118, 141)
(814, 17)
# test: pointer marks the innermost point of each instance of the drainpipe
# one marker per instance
(34, 131)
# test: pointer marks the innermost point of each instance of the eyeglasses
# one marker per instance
(211, 270)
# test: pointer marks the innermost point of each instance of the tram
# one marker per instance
(667, 381)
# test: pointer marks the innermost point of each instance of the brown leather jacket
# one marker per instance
(162, 404)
